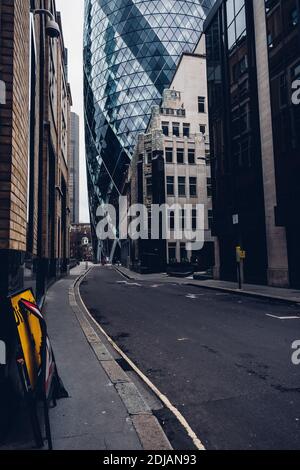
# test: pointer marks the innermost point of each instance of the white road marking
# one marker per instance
(126, 283)
(282, 318)
(191, 296)
(183, 339)
(163, 398)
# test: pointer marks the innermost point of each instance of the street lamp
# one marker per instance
(52, 28)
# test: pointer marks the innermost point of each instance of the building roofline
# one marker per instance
(186, 54)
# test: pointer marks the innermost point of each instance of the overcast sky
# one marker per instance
(72, 21)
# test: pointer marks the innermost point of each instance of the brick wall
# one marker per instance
(31, 148)
(6, 74)
(20, 124)
(14, 115)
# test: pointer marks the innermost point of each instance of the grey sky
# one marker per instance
(72, 20)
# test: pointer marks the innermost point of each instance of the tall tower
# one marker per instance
(74, 169)
(131, 51)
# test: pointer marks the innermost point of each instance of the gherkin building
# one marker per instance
(131, 51)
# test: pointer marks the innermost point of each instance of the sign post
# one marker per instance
(240, 253)
(240, 257)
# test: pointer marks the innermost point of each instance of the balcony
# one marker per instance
(173, 112)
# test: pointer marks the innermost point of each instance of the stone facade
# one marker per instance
(278, 272)
(171, 166)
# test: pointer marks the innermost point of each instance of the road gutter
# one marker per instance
(148, 429)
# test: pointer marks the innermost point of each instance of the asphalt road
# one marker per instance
(220, 358)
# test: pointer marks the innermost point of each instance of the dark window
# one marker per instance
(244, 118)
(243, 64)
(191, 156)
(170, 186)
(172, 220)
(235, 116)
(181, 186)
(149, 186)
(180, 156)
(165, 128)
(176, 129)
(149, 221)
(239, 68)
(182, 217)
(169, 155)
(194, 219)
(201, 104)
(210, 219)
(183, 253)
(186, 130)
(209, 187)
(193, 187)
(203, 129)
(172, 253)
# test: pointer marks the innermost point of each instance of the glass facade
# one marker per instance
(131, 51)
(235, 145)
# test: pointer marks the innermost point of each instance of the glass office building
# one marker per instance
(131, 51)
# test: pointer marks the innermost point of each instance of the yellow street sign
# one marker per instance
(30, 334)
(240, 254)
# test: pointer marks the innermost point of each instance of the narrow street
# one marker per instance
(221, 359)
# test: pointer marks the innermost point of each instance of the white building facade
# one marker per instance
(178, 136)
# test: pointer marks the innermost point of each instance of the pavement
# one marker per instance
(266, 292)
(222, 359)
(105, 410)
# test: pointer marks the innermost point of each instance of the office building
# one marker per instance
(252, 59)
(74, 169)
